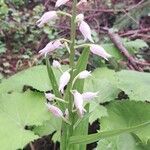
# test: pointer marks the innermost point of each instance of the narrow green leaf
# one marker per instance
(79, 85)
(97, 136)
(52, 78)
(80, 66)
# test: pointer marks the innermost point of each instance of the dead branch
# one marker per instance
(117, 42)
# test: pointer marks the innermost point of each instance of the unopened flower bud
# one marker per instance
(99, 50)
(87, 96)
(55, 110)
(84, 74)
(49, 96)
(61, 2)
(86, 31)
(64, 79)
(56, 64)
(79, 18)
(78, 102)
(48, 16)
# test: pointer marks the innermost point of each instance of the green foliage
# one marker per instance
(134, 84)
(131, 18)
(121, 142)
(35, 77)
(2, 48)
(48, 127)
(123, 117)
(17, 112)
(127, 114)
(132, 46)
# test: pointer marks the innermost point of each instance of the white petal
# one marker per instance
(56, 64)
(61, 2)
(84, 74)
(50, 15)
(79, 18)
(54, 110)
(64, 79)
(99, 50)
(78, 102)
(49, 96)
(86, 31)
(51, 46)
(87, 96)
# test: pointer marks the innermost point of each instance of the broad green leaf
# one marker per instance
(107, 91)
(132, 47)
(35, 77)
(17, 111)
(97, 111)
(121, 142)
(125, 80)
(49, 127)
(135, 84)
(127, 114)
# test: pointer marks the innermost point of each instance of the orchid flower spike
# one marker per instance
(50, 15)
(60, 3)
(78, 102)
(79, 18)
(51, 46)
(99, 50)
(55, 110)
(87, 96)
(86, 31)
(84, 74)
(56, 64)
(64, 79)
(49, 96)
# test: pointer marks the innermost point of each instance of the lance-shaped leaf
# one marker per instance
(123, 117)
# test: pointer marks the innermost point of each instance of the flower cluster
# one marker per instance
(84, 28)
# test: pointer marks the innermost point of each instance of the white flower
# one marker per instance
(56, 64)
(78, 102)
(50, 15)
(99, 50)
(84, 74)
(64, 79)
(86, 31)
(61, 2)
(55, 110)
(87, 96)
(49, 96)
(51, 46)
(79, 18)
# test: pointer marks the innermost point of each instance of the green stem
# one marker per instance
(82, 45)
(64, 13)
(67, 131)
(73, 35)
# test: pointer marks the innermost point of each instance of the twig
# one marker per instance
(131, 32)
(117, 42)
(31, 146)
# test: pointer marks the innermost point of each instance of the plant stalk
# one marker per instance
(67, 130)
